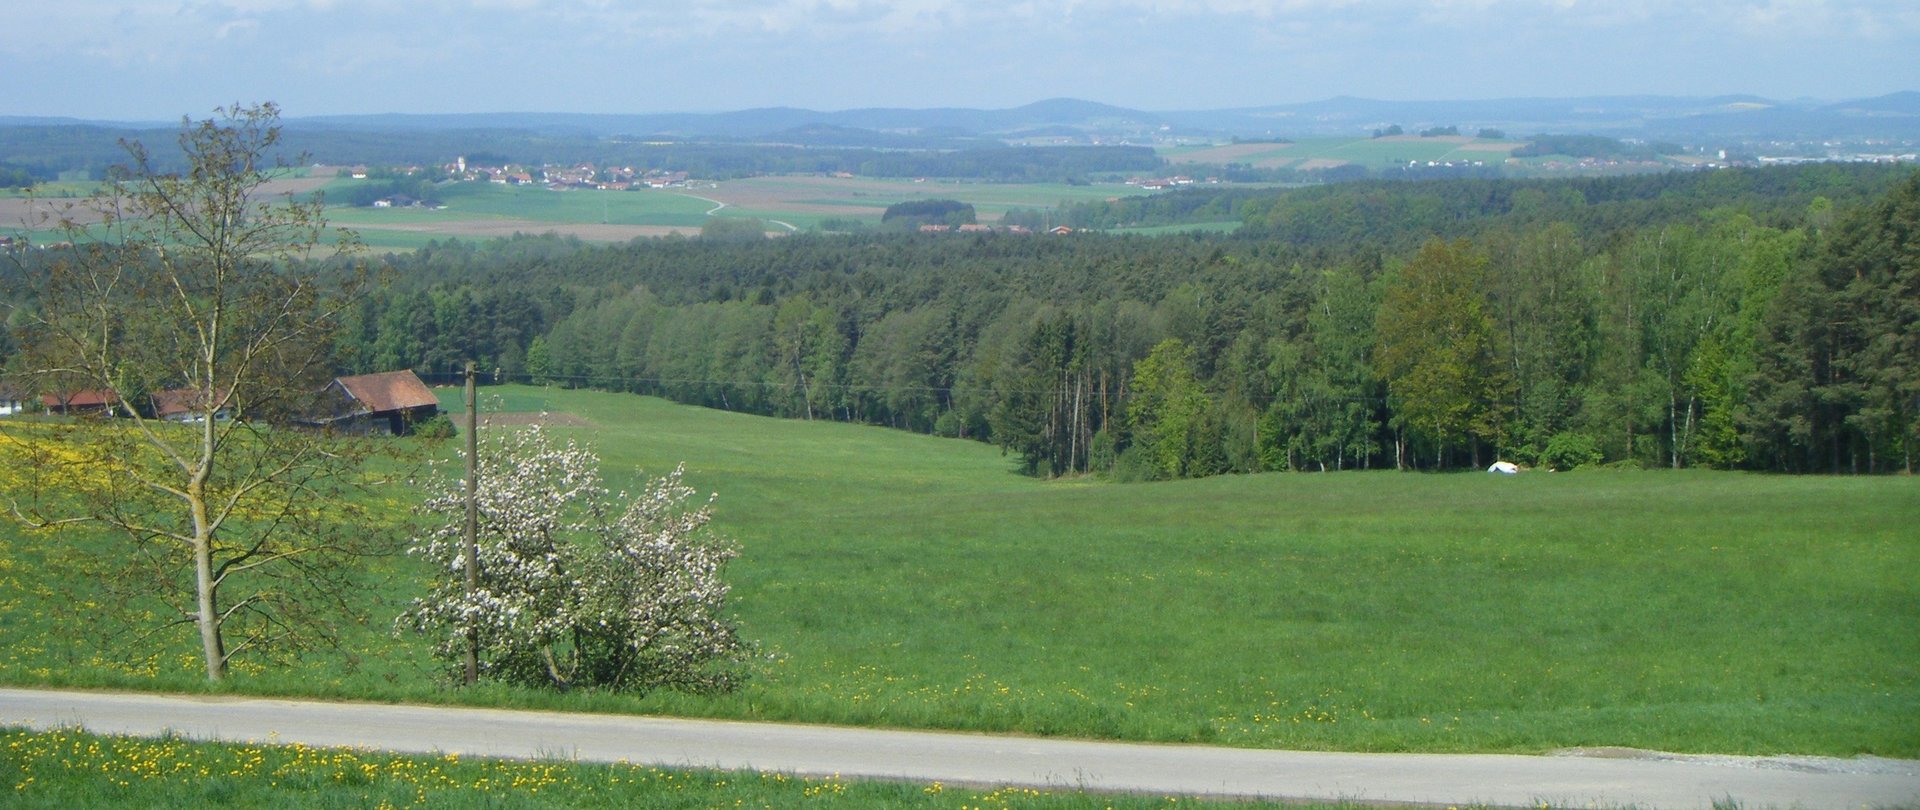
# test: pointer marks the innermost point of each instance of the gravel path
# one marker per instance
(1580, 778)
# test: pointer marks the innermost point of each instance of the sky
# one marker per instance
(158, 60)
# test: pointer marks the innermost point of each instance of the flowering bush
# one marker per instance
(573, 590)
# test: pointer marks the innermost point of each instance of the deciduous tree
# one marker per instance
(190, 297)
(577, 589)
(1436, 350)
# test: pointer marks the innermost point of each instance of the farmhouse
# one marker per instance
(91, 401)
(185, 405)
(389, 402)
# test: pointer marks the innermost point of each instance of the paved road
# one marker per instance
(1584, 781)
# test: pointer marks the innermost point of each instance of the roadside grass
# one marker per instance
(65, 768)
(900, 580)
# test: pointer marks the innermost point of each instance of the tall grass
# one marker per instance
(904, 580)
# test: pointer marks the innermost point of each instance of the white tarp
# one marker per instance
(1504, 468)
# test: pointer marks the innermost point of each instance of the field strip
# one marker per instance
(1642, 780)
(717, 205)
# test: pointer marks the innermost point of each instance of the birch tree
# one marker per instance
(186, 293)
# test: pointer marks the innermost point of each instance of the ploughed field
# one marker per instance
(902, 580)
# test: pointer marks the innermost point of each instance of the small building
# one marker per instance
(12, 400)
(96, 402)
(388, 402)
(185, 405)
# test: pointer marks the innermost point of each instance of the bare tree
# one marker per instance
(188, 302)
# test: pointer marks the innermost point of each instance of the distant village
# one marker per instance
(555, 177)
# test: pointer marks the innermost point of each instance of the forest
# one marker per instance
(1764, 319)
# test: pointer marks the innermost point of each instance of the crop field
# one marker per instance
(1310, 153)
(867, 198)
(902, 580)
(1369, 152)
(486, 210)
(786, 203)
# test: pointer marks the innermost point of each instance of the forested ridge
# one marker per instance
(1765, 319)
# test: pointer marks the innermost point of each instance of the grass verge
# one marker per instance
(64, 769)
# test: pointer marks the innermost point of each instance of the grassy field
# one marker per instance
(909, 581)
(66, 769)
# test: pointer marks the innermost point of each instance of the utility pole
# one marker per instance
(473, 524)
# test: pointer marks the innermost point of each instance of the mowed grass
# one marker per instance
(910, 581)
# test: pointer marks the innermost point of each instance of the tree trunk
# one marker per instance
(1673, 428)
(1073, 439)
(208, 608)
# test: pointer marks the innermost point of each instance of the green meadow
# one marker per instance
(902, 580)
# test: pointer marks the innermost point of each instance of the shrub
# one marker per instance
(1566, 451)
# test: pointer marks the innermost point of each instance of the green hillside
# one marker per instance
(904, 580)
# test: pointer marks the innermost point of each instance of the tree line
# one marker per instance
(1555, 323)
(1668, 335)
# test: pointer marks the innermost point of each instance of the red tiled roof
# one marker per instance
(389, 391)
(177, 401)
(91, 398)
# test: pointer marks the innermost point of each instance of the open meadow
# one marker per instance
(903, 580)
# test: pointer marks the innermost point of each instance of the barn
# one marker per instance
(388, 402)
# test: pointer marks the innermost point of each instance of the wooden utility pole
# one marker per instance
(473, 524)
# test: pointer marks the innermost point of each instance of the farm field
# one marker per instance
(36, 215)
(910, 581)
(1320, 153)
(785, 203)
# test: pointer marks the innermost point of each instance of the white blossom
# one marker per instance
(573, 590)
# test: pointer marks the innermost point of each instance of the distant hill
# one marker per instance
(1895, 115)
(1902, 103)
(47, 146)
